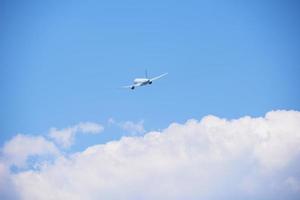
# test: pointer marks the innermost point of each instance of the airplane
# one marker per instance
(143, 81)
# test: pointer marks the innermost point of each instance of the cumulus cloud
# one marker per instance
(7, 188)
(212, 158)
(293, 184)
(65, 137)
(89, 127)
(21, 147)
(133, 128)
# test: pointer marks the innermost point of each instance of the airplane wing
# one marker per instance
(127, 86)
(132, 86)
(158, 77)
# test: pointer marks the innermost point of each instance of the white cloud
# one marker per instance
(209, 159)
(90, 127)
(133, 128)
(65, 137)
(111, 121)
(293, 184)
(7, 188)
(17, 151)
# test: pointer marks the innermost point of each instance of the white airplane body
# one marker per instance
(143, 81)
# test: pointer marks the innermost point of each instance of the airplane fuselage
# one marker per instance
(142, 81)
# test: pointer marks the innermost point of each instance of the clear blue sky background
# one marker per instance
(62, 62)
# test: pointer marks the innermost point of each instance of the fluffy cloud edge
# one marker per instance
(131, 127)
(65, 137)
(243, 158)
(17, 151)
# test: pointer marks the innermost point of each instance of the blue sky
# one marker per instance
(64, 114)
(62, 62)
